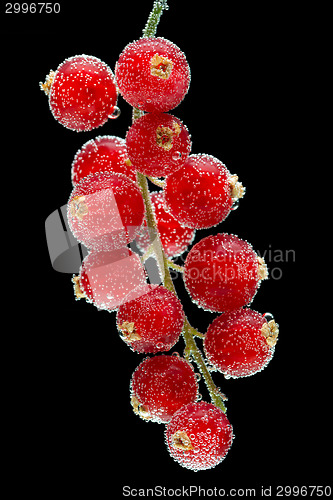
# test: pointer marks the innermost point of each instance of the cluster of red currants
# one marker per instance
(107, 212)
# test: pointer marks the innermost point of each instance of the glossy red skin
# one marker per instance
(115, 211)
(235, 345)
(210, 433)
(147, 154)
(163, 384)
(104, 153)
(198, 194)
(175, 238)
(221, 273)
(108, 279)
(139, 87)
(83, 93)
(158, 318)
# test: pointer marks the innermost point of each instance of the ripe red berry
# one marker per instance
(222, 272)
(240, 343)
(161, 385)
(158, 144)
(199, 436)
(108, 279)
(201, 193)
(104, 153)
(105, 211)
(152, 74)
(153, 322)
(175, 238)
(82, 93)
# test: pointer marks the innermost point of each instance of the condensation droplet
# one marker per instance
(268, 316)
(176, 155)
(235, 205)
(116, 112)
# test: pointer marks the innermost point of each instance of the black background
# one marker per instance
(69, 372)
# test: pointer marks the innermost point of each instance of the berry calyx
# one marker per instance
(105, 211)
(240, 343)
(222, 272)
(199, 436)
(161, 385)
(109, 279)
(153, 322)
(104, 153)
(201, 193)
(82, 92)
(174, 237)
(158, 144)
(152, 74)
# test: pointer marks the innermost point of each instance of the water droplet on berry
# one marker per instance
(159, 345)
(175, 354)
(268, 316)
(116, 112)
(235, 205)
(198, 375)
(177, 155)
(199, 398)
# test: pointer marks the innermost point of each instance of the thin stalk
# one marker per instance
(189, 332)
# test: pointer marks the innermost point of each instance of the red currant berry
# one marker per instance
(199, 436)
(240, 343)
(153, 322)
(223, 272)
(104, 153)
(157, 144)
(108, 279)
(175, 238)
(105, 211)
(161, 385)
(82, 93)
(152, 74)
(201, 193)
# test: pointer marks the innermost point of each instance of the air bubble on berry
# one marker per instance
(235, 205)
(177, 155)
(268, 316)
(115, 113)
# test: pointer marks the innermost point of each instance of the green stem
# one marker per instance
(154, 18)
(189, 332)
(172, 265)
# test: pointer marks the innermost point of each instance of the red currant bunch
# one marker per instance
(113, 213)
